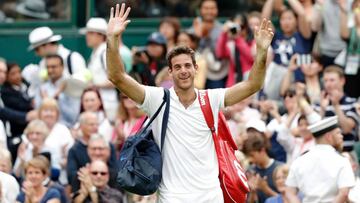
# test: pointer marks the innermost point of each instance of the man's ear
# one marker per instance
(196, 67)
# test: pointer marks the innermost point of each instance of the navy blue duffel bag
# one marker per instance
(140, 162)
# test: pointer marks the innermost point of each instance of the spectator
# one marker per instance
(14, 94)
(311, 70)
(94, 185)
(77, 156)
(150, 60)
(208, 29)
(170, 28)
(33, 9)
(279, 178)
(255, 148)
(5, 161)
(36, 132)
(55, 88)
(232, 45)
(91, 100)
(335, 102)
(100, 149)
(95, 32)
(33, 190)
(321, 175)
(351, 56)
(7, 114)
(326, 21)
(59, 139)
(9, 188)
(44, 42)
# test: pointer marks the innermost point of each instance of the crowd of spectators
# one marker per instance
(63, 123)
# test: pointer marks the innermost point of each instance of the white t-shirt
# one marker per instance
(190, 167)
(320, 173)
(9, 188)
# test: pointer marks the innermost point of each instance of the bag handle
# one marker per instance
(166, 100)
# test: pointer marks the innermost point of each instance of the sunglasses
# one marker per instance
(95, 173)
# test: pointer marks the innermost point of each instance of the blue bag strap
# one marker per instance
(165, 117)
(166, 100)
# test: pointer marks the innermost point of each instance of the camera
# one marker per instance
(303, 59)
(140, 50)
(234, 28)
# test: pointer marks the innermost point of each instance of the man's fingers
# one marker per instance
(117, 10)
(111, 12)
(263, 24)
(124, 17)
(122, 10)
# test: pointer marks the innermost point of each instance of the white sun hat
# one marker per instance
(321, 127)
(40, 36)
(33, 8)
(98, 25)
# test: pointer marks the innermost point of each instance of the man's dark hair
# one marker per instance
(178, 51)
(202, 2)
(255, 142)
(49, 56)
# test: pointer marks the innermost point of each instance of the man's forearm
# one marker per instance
(346, 124)
(115, 67)
(257, 73)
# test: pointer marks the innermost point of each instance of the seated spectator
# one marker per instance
(77, 156)
(279, 178)
(260, 181)
(59, 139)
(100, 149)
(9, 188)
(94, 185)
(14, 95)
(36, 132)
(91, 101)
(5, 161)
(33, 190)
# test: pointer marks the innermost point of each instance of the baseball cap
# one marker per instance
(156, 38)
(257, 124)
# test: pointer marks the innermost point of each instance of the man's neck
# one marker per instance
(186, 97)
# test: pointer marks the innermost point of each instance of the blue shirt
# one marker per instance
(51, 193)
(284, 47)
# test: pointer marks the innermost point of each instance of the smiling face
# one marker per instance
(183, 71)
(91, 101)
(35, 175)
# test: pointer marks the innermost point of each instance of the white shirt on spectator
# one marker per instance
(3, 137)
(9, 188)
(190, 167)
(97, 66)
(320, 173)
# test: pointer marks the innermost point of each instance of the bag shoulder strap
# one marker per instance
(166, 100)
(68, 62)
(206, 109)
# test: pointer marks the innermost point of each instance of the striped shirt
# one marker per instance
(347, 105)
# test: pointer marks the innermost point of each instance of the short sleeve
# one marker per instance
(291, 179)
(153, 99)
(346, 176)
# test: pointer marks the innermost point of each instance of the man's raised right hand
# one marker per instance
(118, 22)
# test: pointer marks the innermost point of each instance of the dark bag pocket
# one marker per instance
(140, 162)
(140, 165)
